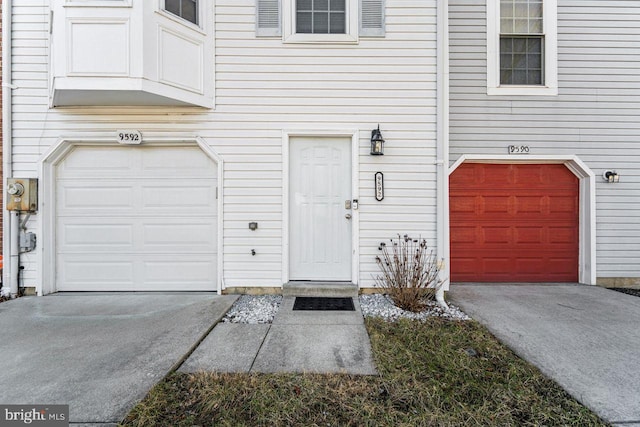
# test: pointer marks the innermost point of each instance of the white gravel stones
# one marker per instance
(379, 305)
(253, 309)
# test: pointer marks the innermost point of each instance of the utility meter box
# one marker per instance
(22, 194)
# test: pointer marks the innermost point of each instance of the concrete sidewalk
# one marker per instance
(98, 353)
(297, 341)
(586, 338)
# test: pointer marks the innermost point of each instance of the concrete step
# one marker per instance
(320, 289)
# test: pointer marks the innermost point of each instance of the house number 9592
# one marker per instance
(518, 149)
(129, 137)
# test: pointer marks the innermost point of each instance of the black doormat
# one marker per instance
(323, 304)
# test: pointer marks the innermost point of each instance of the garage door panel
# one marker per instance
(98, 197)
(200, 197)
(528, 235)
(146, 221)
(171, 236)
(463, 204)
(77, 272)
(558, 205)
(200, 273)
(566, 235)
(496, 235)
(461, 235)
(96, 163)
(528, 204)
(496, 204)
(86, 235)
(172, 162)
(527, 226)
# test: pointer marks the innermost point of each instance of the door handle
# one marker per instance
(348, 216)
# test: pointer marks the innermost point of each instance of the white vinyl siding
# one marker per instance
(596, 115)
(263, 88)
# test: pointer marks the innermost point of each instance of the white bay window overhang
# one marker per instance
(130, 53)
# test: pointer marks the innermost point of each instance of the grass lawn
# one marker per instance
(439, 372)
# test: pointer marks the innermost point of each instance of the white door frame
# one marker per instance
(587, 209)
(355, 172)
(47, 198)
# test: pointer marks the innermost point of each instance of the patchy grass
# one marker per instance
(436, 372)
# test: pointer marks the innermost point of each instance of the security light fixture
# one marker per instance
(377, 142)
(611, 176)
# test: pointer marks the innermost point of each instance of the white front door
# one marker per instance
(320, 229)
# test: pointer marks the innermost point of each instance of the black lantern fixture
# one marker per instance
(377, 142)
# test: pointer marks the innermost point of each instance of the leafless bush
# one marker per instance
(409, 272)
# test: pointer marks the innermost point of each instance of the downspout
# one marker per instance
(442, 147)
(9, 228)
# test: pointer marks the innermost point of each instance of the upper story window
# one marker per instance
(320, 21)
(522, 47)
(185, 9)
(320, 17)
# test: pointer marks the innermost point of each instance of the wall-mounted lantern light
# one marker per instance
(377, 142)
(611, 176)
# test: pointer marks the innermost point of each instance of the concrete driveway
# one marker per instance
(586, 338)
(98, 353)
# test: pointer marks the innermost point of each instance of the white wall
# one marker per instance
(595, 116)
(262, 88)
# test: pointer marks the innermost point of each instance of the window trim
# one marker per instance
(289, 34)
(550, 32)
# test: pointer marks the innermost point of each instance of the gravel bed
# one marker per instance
(379, 305)
(253, 309)
(629, 291)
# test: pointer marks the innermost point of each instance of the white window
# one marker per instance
(309, 21)
(522, 47)
(185, 9)
(320, 21)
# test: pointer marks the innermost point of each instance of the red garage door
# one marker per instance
(514, 223)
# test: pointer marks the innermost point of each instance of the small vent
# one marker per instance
(372, 18)
(323, 304)
(268, 18)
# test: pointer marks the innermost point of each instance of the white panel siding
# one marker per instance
(262, 88)
(595, 116)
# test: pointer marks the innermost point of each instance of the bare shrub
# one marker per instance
(409, 272)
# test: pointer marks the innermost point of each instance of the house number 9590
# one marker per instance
(518, 149)
(129, 137)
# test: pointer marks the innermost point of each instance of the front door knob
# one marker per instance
(348, 216)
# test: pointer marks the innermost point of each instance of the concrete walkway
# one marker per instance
(297, 341)
(586, 338)
(98, 353)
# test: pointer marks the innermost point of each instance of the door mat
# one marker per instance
(323, 304)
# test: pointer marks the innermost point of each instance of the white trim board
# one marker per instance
(47, 207)
(587, 216)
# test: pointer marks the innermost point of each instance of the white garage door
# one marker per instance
(136, 219)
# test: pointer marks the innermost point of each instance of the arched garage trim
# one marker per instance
(587, 217)
(47, 207)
